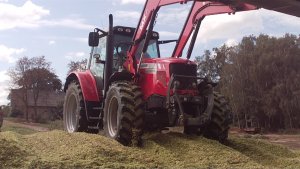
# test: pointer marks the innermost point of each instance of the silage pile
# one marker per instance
(57, 149)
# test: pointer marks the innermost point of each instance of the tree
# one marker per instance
(17, 75)
(261, 78)
(33, 75)
(76, 65)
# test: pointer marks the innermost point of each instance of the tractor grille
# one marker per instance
(184, 70)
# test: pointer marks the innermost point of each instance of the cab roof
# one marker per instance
(129, 31)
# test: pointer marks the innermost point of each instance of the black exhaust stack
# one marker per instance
(109, 55)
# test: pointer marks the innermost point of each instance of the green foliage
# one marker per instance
(261, 77)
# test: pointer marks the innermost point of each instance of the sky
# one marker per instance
(58, 29)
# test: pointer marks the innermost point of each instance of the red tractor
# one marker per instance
(128, 88)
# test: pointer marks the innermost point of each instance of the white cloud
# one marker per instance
(83, 40)
(173, 16)
(280, 18)
(129, 18)
(133, 1)
(75, 55)
(168, 34)
(4, 87)
(230, 26)
(4, 76)
(8, 54)
(69, 23)
(31, 15)
(128, 15)
(52, 42)
(244, 24)
(231, 42)
(26, 16)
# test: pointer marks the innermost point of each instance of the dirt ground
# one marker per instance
(287, 140)
(290, 141)
(32, 126)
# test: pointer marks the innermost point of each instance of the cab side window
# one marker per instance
(98, 68)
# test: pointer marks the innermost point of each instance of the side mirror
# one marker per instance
(94, 39)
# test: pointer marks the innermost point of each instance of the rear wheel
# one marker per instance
(221, 118)
(123, 113)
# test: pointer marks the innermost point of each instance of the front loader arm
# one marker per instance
(148, 11)
(199, 10)
(150, 8)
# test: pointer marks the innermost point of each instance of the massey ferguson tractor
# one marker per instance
(129, 88)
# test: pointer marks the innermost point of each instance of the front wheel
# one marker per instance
(74, 110)
(123, 113)
(221, 118)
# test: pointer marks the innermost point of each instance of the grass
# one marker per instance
(53, 125)
(19, 130)
(57, 149)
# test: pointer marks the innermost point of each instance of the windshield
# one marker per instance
(152, 51)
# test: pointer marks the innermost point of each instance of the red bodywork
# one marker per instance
(155, 75)
(87, 84)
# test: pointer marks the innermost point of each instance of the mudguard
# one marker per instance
(87, 84)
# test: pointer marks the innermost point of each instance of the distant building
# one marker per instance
(49, 104)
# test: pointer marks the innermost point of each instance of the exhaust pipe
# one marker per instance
(109, 55)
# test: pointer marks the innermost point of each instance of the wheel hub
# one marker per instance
(112, 121)
(71, 114)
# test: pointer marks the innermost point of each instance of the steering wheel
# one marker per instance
(121, 46)
(121, 49)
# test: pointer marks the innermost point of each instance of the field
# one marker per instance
(22, 148)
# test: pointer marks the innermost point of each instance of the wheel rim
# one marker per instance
(112, 118)
(71, 119)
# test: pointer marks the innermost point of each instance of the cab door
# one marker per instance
(97, 64)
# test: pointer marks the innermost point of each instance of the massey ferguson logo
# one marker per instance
(143, 21)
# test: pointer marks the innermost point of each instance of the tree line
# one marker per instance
(33, 75)
(261, 78)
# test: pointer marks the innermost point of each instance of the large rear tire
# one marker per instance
(74, 115)
(221, 118)
(123, 113)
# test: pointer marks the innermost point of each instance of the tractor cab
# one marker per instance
(122, 41)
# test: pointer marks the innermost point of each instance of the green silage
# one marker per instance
(57, 149)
